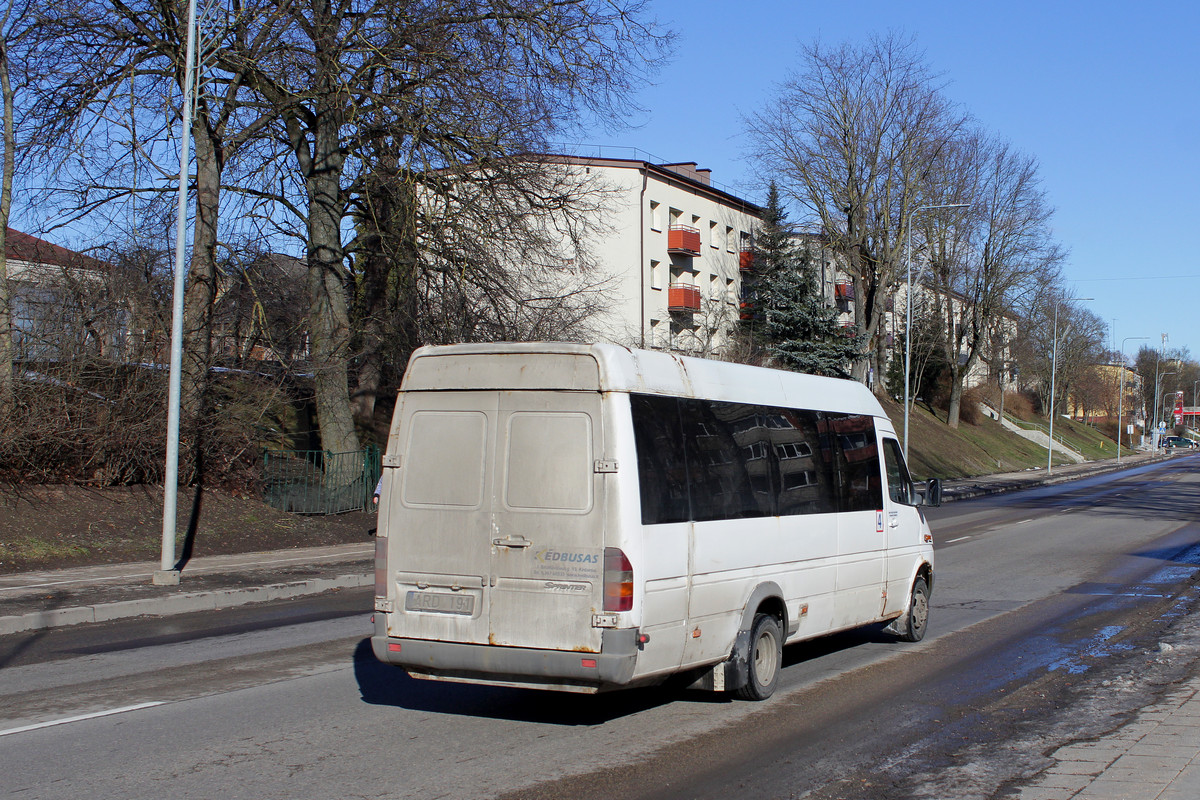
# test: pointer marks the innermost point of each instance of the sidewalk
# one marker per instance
(37, 600)
(1155, 756)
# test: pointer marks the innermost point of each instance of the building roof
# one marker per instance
(685, 172)
(30, 249)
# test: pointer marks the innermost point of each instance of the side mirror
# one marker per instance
(933, 492)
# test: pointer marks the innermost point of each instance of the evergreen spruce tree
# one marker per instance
(786, 316)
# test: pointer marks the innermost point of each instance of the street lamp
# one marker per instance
(908, 311)
(1194, 385)
(167, 574)
(1121, 392)
(1162, 401)
(1158, 402)
(1053, 366)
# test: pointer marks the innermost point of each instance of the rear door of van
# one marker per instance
(498, 535)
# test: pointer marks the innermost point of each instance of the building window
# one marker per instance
(730, 242)
(655, 216)
(714, 235)
(656, 281)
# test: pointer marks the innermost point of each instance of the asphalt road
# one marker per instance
(1049, 615)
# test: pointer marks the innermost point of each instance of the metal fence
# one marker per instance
(317, 482)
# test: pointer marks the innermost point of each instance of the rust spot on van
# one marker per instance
(584, 650)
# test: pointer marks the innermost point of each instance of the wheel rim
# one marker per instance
(765, 659)
(920, 611)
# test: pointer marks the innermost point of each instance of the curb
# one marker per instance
(982, 490)
(177, 603)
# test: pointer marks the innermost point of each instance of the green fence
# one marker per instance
(317, 482)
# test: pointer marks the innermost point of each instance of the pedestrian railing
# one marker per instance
(318, 482)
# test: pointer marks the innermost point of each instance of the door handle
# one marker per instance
(509, 541)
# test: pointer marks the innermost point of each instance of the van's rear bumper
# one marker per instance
(613, 666)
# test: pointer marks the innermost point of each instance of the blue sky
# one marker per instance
(1105, 96)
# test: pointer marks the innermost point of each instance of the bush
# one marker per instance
(968, 411)
(104, 424)
(1019, 405)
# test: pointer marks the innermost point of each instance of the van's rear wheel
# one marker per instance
(911, 627)
(765, 657)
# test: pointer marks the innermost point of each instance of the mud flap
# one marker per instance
(729, 675)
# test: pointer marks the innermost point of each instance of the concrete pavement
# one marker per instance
(1155, 756)
(50, 599)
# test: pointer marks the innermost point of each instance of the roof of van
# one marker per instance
(614, 368)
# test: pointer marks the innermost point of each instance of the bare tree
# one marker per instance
(432, 89)
(990, 256)
(15, 24)
(852, 138)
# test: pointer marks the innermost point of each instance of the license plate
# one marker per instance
(440, 602)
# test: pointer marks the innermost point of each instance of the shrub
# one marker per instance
(968, 411)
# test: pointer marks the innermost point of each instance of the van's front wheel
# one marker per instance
(765, 657)
(911, 626)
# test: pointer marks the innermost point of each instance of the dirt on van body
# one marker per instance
(52, 527)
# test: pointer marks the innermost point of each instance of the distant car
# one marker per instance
(1171, 442)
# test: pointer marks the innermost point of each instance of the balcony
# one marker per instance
(683, 240)
(843, 291)
(683, 297)
(746, 260)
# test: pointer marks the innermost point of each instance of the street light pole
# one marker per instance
(1053, 367)
(908, 310)
(1121, 392)
(1194, 384)
(1158, 418)
(167, 574)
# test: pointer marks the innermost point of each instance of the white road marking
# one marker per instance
(959, 539)
(82, 717)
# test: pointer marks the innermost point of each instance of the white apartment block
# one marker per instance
(673, 252)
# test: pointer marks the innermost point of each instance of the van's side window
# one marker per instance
(900, 487)
(705, 460)
(806, 466)
(858, 457)
(729, 463)
(662, 468)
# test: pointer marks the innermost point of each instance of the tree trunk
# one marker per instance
(10, 157)
(329, 320)
(200, 296)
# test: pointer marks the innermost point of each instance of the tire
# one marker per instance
(911, 626)
(765, 658)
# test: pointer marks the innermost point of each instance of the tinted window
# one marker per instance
(729, 460)
(662, 469)
(806, 465)
(900, 487)
(858, 456)
(706, 460)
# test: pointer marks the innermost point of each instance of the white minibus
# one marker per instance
(590, 517)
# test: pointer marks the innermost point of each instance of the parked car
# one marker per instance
(1171, 442)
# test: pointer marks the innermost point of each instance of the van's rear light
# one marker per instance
(618, 581)
(381, 589)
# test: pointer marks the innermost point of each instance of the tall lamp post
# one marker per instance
(1121, 392)
(1053, 367)
(1158, 393)
(167, 574)
(1194, 385)
(908, 310)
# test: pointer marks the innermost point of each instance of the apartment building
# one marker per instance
(674, 253)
